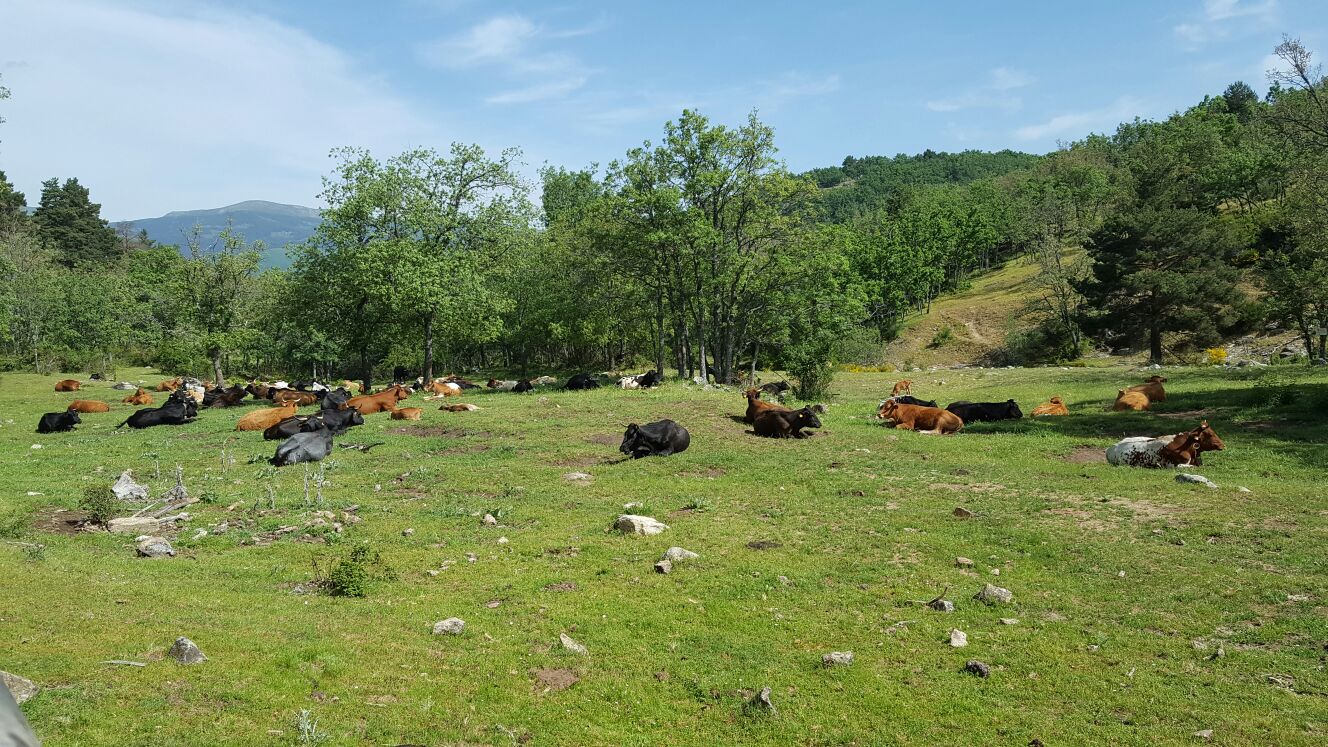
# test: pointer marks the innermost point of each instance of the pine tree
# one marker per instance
(72, 225)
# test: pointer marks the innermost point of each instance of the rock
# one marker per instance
(503, 540)
(155, 547)
(572, 645)
(186, 651)
(489, 521)
(633, 505)
(677, 555)
(962, 562)
(408, 532)
(199, 534)
(995, 571)
(837, 659)
(125, 386)
(761, 702)
(1204, 734)
(1009, 621)
(20, 687)
(126, 489)
(962, 513)
(958, 638)
(941, 605)
(981, 669)
(643, 525)
(991, 594)
(134, 525)
(576, 476)
(1189, 477)
(450, 626)
(664, 566)
(1242, 489)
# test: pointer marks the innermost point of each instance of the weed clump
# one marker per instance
(99, 502)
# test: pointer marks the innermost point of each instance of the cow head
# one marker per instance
(1057, 401)
(753, 393)
(1012, 410)
(337, 399)
(888, 409)
(73, 416)
(807, 419)
(631, 439)
(1155, 380)
(1207, 438)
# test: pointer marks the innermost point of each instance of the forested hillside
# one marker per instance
(702, 254)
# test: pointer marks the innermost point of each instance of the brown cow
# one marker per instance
(904, 386)
(443, 388)
(140, 397)
(1055, 407)
(68, 385)
(88, 405)
(407, 413)
(384, 401)
(755, 406)
(353, 386)
(459, 408)
(169, 385)
(261, 420)
(929, 420)
(1127, 400)
(283, 397)
(1151, 388)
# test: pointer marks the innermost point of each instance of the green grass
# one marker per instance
(862, 518)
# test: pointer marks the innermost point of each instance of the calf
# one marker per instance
(755, 407)
(169, 385)
(785, 423)
(1056, 406)
(261, 420)
(661, 438)
(179, 409)
(140, 397)
(459, 408)
(929, 420)
(977, 412)
(312, 446)
(581, 381)
(68, 385)
(58, 422)
(1151, 388)
(407, 413)
(1127, 400)
(89, 405)
(903, 386)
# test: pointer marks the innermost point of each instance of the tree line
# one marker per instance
(702, 253)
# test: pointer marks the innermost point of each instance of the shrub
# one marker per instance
(353, 572)
(1216, 356)
(99, 502)
(943, 335)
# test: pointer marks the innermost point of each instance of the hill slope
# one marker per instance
(275, 224)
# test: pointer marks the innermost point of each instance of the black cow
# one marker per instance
(179, 409)
(649, 378)
(581, 381)
(775, 387)
(780, 424)
(908, 399)
(228, 397)
(58, 422)
(339, 421)
(523, 386)
(661, 438)
(304, 447)
(977, 412)
(292, 425)
(335, 399)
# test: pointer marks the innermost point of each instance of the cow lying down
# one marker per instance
(1181, 449)
(661, 438)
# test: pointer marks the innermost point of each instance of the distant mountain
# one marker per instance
(274, 224)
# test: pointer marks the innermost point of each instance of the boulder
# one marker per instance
(643, 525)
(981, 669)
(134, 525)
(186, 651)
(664, 566)
(125, 386)
(127, 489)
(837, 659)
(958, 638)
(677, 555)
(761, 702)
(20, 687)
(450, 626)
(941, 605)
(155, 547)
(572, 645)
(991, 594)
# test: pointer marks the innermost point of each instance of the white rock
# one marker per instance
(1242, 489)
(963, 562)
(994, 595)
(127, 489)
(572, 645)
(1009, 621)
(576, 476)
(134, 525)
(958, 638)
(155, 547)
(502, 540)
(186, 652)
(643, 525)
(200, 534)
(450, 626)
(837, 659)
(632, 505)
(20, 687)
(677, 555)
(1190, 477)
(489, 521)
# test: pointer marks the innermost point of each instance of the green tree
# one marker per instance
(215, 285)
(71, 223)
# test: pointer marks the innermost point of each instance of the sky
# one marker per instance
(160, 105)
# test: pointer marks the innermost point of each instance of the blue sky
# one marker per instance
(164, 105)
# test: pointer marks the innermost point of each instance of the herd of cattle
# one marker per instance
(309, 438)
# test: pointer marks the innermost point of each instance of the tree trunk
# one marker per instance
(215, 354)
(1155, 344)
(365, 373)
(428, 347)
(756, 353)
(659, 337)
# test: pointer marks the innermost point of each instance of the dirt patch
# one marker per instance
(1084, 519)
(604, 439)
(566, 552)
(980, 487)
(764, 544)
(59, 520)
(454, 450)
(577, 461)
(682, 512)
(1261, 425)
(1184, 414)
(438, 431)
(1087, 455)
(554, 680)
(562, 586)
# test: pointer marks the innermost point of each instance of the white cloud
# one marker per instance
(498, 39)
(163, 109)
(1082, 123)
(993, 94)
(1214, 22)
(538, 92)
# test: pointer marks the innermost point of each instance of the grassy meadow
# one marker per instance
(1126, 584)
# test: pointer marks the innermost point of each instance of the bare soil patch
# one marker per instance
(1087, 455)
(979, 487)
(59, 520)
(764, 544)
(562, 586)
(604, 439)
(1083, 519)
(1184, 414)
(554, 680)
(577, 461)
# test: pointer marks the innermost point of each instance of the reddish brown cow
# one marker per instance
(755, 406)
(1151, 388)
(284, 397)
(1055, 407)
(89, 405)
(1127, 400)
(929, 420)
(169, 385)
(68, 385)
(407, 413)
(140, 397)
(384, 401)
(261, 420)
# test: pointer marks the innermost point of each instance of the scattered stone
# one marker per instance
(1009, 621)
(199, 534)
(572, 645)
(127, 489)
(962, 513)
(186, 651)
(576, 476)
(677, 555)
(643, 525)
(1204, 734)
(1189, 477)
(1298, 597)
(20, 687)
(489, 521)
(941, 605)
(958, 638)
(995, 571)
(408, 532)
(837, 659)
(503, 540)
(991, 594)
(785, 580)
(962, 562)
(134, 525)
(663, 566)
(981, 669)
(155, 547)
(125, 386)
(450, 626)
(1284, 681)
(633, 505)
(762, 703)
